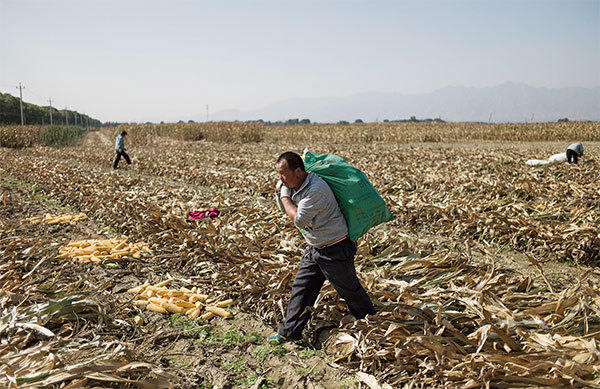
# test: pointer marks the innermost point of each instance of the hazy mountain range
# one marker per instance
(508, 102)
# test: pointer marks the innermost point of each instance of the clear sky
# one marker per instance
(166, 60)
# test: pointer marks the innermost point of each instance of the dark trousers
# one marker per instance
(336, 264)
(571, 156)
(118, 158)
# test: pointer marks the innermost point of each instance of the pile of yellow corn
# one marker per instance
(56, 219)
(159, 298)
(96, 250)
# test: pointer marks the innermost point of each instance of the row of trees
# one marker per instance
(10, 114)
(307, 121)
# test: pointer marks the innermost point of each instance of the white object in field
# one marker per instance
(536, 162)
(556, 158)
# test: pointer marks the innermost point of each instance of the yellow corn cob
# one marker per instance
(164, 283)
(224, 303)
(219, 311)
(184, 304)
(207, 316)
(189, 311)
(156, 308)
(157, 300)
(172, 307)
(198, 297)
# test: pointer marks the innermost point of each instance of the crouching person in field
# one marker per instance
(120, 150)
(309, 202)
(574, 151)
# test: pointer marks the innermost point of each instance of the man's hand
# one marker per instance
(285, 192)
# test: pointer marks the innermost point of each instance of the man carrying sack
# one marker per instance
(310, 203)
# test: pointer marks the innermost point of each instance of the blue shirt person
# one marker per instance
(120, 150)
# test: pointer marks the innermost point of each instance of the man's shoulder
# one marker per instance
(317, 184)
(315, 181)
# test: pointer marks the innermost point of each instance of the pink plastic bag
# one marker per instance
(211, 213)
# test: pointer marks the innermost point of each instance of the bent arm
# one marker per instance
(289, 207)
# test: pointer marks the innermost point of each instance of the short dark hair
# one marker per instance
(292, 159)
(124, 132)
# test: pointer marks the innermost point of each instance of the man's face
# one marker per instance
(290, 178)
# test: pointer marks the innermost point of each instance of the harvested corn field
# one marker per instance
(487, 276)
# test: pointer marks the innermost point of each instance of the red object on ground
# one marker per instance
(212, 213)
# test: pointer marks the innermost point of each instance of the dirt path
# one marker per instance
(95, 138)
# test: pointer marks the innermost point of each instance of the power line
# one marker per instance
(35, 94)
(29, 90)
(8, 84)
(76, 114)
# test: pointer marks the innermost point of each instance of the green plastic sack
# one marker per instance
(359, 201)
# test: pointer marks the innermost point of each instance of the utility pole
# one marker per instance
(66, 116)
(207, 113)
(21, 103)
(532, 115)
(490, 118)
(50, 102)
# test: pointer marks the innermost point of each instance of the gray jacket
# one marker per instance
(119, 144)
(576, 147)
(318, 217)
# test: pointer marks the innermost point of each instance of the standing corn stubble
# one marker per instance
(329, 255)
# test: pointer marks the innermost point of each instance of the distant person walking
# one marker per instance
(574, 151)
(120, 150)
